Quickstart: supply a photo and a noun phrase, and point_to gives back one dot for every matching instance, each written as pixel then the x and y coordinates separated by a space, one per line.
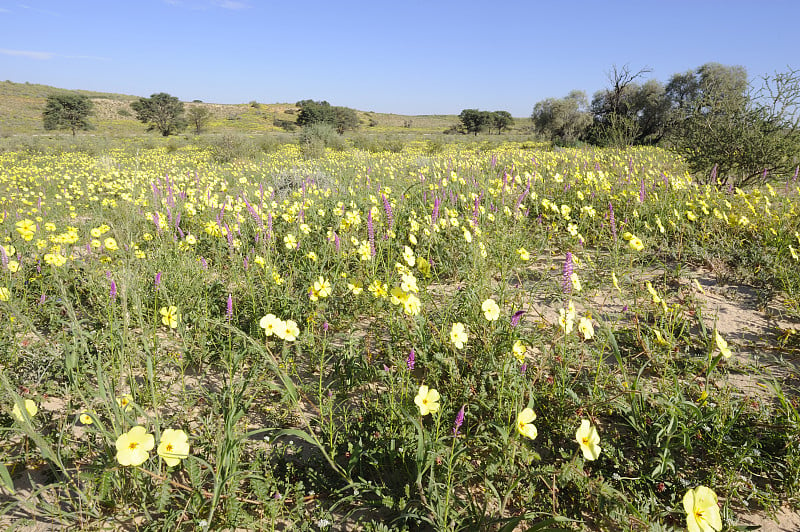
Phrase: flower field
pixel 473 337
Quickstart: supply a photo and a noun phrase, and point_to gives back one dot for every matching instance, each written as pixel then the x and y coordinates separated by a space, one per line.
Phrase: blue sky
pixel 408 57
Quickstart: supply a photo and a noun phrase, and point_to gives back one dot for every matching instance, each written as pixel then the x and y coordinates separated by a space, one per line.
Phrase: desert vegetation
pixel 468 337
pixel 316 318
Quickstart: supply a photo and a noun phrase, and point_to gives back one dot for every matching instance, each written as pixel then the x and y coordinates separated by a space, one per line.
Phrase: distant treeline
pixel 725 126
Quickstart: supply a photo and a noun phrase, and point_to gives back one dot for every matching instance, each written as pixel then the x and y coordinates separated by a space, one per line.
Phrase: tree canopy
pixel 198 116
pixel 161 112
pixel 67 111
pixel 563 120
pixel 732 132
pixel 474 121
pixel 322 112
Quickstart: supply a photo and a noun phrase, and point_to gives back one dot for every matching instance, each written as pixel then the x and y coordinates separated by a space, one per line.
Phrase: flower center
pixel 133 445
pixel 169 447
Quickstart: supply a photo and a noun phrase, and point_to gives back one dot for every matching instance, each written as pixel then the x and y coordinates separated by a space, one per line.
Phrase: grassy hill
pixel 21 106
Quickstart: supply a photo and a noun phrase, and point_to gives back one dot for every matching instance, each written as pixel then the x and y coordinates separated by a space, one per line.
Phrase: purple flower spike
pixel 459 421
pixel 516 317
pixel 371 234
pixel 229 310
pixel 158 280
pixel 411 359
pixel 112 292
pixel 612 221
pixel 566 282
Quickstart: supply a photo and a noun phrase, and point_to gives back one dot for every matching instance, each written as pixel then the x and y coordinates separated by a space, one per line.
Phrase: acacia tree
pixel 67 111
pixel 321 112
pixel 501 120
pixel 474 121
pixel 616 118
pixel 198 116
pixel 744 132
pixel 563 120
pixel 161 112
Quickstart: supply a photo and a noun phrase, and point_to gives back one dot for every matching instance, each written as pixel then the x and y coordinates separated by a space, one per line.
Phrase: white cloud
pixel 40 56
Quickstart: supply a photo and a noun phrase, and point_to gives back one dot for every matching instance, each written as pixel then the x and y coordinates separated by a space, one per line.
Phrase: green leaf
pixel 5 479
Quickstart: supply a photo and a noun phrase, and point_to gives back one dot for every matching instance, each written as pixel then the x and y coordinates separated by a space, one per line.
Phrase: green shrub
pixel 229 147
pixel 314 138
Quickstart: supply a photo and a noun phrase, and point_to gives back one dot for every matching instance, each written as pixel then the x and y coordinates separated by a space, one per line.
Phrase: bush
pixel 229 147
pixel 377 144
pixel 434 146
pixel 272 143
pixel 286 125
pixel 314 138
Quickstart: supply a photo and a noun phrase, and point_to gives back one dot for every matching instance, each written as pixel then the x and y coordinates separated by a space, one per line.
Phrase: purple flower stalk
pixel 371 233
pixel 435 213
pixel 477 209
pixel 158 281
pixel 459 421
pixel 112 292
pixel 229 236
pixel 523 368
pixel 612 221
pixel 411 359
pixel 3 257
pixel 516 317
pixel 388 208
pixel 522 197
pixel 229 310
pixel 566 281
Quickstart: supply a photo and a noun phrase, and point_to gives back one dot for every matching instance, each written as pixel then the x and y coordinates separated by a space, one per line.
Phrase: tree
pixel 198 116
pixel 745 133
pixel 616 118
pixel 684 91
pixel 616 99
pixel 474 121
pixel 161 112
pixel 501 120
pixel 314 112
pixel 321 112
pixel 650 107
pixel 344 118
pixel 563 120
pixel 67 111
